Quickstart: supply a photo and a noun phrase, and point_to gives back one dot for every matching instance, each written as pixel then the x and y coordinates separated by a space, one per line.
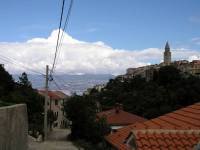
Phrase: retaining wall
pixel 13 127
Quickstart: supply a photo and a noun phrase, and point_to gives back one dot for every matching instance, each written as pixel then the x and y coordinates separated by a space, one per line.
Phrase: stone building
pixel 146 72
pixel 167 54
pixel 187 67
pixel 55 103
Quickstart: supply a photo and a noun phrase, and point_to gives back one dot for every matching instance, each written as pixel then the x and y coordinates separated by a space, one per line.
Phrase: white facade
pixel 56 104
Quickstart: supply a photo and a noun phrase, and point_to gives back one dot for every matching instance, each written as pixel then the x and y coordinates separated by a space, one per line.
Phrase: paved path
pixel 56 141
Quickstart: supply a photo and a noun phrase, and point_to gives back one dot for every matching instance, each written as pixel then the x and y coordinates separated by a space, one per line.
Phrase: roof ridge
pixel 180 126
pixel 188 111
pixel 165 131
pixel 198 103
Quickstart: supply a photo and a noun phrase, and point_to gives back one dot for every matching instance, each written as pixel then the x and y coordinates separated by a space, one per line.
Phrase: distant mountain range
pixel 69 83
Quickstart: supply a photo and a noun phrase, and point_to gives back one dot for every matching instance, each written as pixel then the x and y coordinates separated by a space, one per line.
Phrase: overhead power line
pixel 64 29
pixel 59 43
pixel 60 38
pixel 61 16
pixel 61 81
pixel 16 63
pixel 56 84
pixel 66 22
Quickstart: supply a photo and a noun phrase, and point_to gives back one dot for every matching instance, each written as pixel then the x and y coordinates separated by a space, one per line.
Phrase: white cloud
pixel 194 57
pixel 81 57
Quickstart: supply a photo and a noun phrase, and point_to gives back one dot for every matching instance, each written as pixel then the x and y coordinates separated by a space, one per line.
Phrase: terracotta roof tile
pixel 188 114
pixel 177 123
pixel 195 107
pixel 185 141
pixel 163 123
pixel 120 118
pixel 153 141
pixel 160 141
pixel 152 125
pixel 175 140
pixel 52 94
pixel 183 119
pixel 163 148
pixel 159 135
pixel 191 110
pixel 166 136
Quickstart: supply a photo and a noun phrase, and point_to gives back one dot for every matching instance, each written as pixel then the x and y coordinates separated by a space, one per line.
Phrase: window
pixel 56 102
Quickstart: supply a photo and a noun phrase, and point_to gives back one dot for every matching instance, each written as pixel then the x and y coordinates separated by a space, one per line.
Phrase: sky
pixel 106 36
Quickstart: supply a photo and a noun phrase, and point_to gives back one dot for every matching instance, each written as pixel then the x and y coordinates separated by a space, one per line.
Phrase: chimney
pixel 118 107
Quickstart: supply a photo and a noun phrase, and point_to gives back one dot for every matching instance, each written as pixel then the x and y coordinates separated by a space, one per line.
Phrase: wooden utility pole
pixel 46 101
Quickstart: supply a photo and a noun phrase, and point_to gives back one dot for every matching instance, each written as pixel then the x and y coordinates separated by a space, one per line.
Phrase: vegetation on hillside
pixel 12 92
pixel 168 90
pixel 81 110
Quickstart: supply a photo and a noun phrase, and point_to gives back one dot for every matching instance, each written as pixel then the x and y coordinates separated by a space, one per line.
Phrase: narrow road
pixel 57 140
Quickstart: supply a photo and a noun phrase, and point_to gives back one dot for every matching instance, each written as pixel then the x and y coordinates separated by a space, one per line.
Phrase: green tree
pixel 7 83
pixel 22 92
pixel 82 112
pixel 23 80
pixel 169 90
pixel 33 100
pixel 168 75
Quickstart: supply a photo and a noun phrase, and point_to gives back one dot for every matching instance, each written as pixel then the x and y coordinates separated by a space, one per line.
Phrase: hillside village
pixel 128 124
pixel 184 66
pixel 168 129
pixel 58 61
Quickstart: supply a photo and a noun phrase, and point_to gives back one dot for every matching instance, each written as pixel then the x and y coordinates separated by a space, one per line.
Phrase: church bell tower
pixel 167 54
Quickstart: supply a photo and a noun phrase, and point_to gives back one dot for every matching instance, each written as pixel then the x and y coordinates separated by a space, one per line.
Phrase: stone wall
pixel 13 127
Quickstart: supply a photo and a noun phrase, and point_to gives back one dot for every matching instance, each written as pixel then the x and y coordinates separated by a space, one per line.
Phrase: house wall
pixel 58 110
pixel 13 127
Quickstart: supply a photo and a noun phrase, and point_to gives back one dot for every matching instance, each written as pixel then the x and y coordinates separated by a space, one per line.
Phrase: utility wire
pixel 59 44
pixel 65 26
pixel 66 22
pixel 14 62
pixel 61 81
pixel 9 60
pixel 58 38
pixel 56 84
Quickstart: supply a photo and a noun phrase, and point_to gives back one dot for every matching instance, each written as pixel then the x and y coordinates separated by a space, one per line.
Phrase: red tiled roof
pixel 120 118
pixel 166 139
pixel 117 139
pixel 196 61
pixel 52 94
pixel 184 119
pixel 61 94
